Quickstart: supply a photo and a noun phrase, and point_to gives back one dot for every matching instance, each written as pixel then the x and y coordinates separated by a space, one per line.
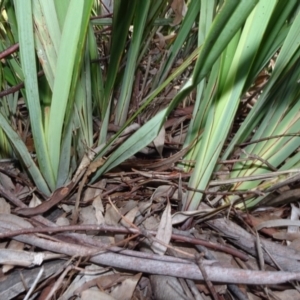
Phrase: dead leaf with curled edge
pixel 179 8
pixel 161 40
pixel 130 216
pixel 126 289
pixel 35 201
pixel 164 231
pixel 161 193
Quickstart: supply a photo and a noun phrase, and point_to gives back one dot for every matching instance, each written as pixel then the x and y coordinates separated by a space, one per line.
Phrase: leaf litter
pixel 130 222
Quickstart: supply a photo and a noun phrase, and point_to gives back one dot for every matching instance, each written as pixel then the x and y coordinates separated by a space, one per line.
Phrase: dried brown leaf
pixel 62 221
pixel 74 286
pixel 125 290
pixel 164 231
pixel 4 206
pixel 151 223
pixel 161 193
pixel 87 215
pixel 161 39
pixel 288 295
pixel 179 8
pixel 130 216
pixel 35 201
pixel 99 210
pixel 112 217
pixel 14 222
pixel 7 182
pixel 95 295
pixel 107 281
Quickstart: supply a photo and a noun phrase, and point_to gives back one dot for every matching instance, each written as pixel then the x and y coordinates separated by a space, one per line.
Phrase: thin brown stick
pixel 209 284
pixel 101 17
pixel 10 50
pixel 115 229
pixel 257 157
pixel 183 270
pixel 16 87
pixel 205 192
pixel 59 281
pixel 268 138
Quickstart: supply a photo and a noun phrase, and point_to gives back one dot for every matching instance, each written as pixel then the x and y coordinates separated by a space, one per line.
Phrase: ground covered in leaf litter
pixel 129 242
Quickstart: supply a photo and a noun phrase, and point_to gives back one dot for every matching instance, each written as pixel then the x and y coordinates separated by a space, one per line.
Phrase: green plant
pixel 227 43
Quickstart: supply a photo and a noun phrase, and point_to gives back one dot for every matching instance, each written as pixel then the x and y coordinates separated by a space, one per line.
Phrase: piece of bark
pixel 286 257
pixel 13 284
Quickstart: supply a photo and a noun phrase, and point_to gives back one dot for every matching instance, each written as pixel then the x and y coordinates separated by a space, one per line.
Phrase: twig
pixel 58 282
pixel 264 161
pixel 264 176
pixel 199 258
pixel 123 217
pixel 107 228
pixel 268 138
pixel 184 270
pixel 206 192
pixel 16 87
pixel 146 234
pixel 9 50
pixel 34 283
pixel 91 168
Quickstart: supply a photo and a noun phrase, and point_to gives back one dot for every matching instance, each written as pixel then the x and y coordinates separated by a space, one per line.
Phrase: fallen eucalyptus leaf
pixel 164 231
